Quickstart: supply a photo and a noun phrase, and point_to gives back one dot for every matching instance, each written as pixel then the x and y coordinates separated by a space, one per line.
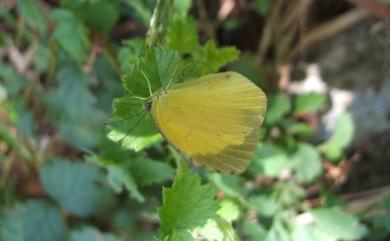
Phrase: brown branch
pixel 373 7
pixel 328 29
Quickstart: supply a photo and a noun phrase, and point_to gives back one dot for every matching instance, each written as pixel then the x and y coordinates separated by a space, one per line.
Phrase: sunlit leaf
pixel 186 205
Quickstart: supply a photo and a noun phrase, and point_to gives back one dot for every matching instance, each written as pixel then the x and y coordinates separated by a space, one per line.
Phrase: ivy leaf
pixel 210 58
pixel 35 221
pixel 91 234
pixel 79 188
pixel 182 36
pixel 71 34
pixel 72 106
pixel 186 205
pixel 32 14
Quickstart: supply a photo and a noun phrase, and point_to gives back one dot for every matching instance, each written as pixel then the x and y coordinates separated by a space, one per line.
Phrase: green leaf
pixel 32 14
pixel 182 36
pixel 262 6
pixel 147 171
pixel 296 128
pixel 130 52
pixel 278 106
pixel 278 232
pixel 72 106
pixel 13 81
pixel 116 161
pixel 91 234
pixel 246 65
pixel 217 229
pixel 269 160
pixel 228 210
pixel 186 205
pixel 71 34
pixel 180 235
pixel 287 194
pixel 338 224
pixel 264 205
pixel 182 7
pixel 306 163
pixel 341 138
pixel 158 67
pixel 210 58
pixel 119 176
pixel 141 11
pixel 42 59
pixel 309 102
pixel 229 184
pixel 305 232
pixel 34 221
pixel 254 231
pixel 102 15
pixel 110 83
pixel 79 188
pixel 132 124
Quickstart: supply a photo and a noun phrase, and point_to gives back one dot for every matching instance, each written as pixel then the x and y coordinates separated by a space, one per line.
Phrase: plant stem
pixel 159 22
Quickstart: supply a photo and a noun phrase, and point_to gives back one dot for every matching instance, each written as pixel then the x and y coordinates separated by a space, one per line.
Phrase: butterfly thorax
pixel 157 96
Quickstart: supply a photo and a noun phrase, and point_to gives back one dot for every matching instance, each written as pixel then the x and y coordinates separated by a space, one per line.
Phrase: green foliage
pixel 71 34
pixel 34 220
pixel 183 36
pixel 341 138
pixel 91 234
pixel 262 6
pixel 187 205
pixel 210 58
pixel 32 14
pixel 306 163
pixel 79 188
pixel 278 106
pixel 101 15
pixel 309 102
pixel 72 105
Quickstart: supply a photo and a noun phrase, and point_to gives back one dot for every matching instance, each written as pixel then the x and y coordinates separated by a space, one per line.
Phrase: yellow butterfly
pixel 213 120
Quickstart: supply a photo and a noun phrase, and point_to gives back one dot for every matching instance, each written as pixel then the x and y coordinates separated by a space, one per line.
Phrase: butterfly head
pixel 148 105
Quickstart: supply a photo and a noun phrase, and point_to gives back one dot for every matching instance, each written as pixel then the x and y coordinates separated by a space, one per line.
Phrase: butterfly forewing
pixel 214 120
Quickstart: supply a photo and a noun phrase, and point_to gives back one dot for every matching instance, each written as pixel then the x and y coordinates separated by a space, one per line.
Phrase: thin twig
pixel 372 7
pixel 328 29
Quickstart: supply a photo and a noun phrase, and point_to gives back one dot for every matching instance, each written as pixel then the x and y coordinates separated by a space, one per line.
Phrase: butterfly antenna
pixel 174 73
pixel 150 87
pixel 132 128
